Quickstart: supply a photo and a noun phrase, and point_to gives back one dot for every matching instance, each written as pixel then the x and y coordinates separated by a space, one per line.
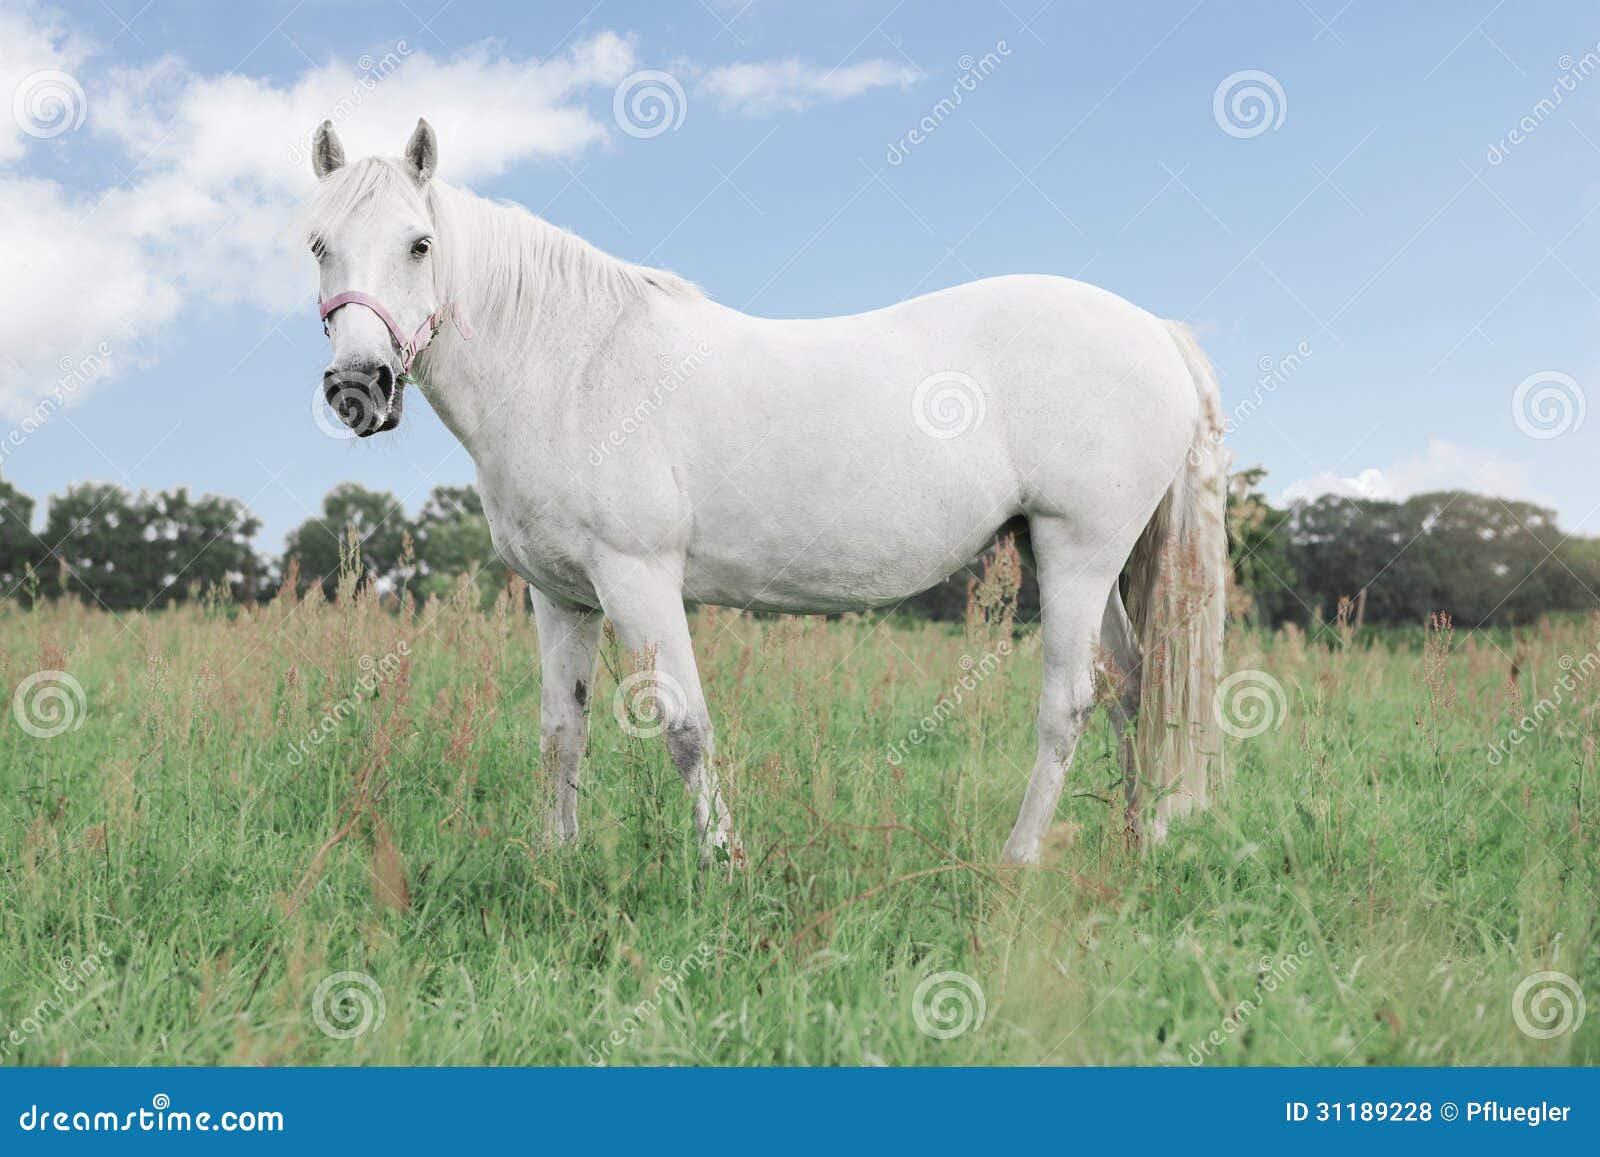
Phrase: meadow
pixel 309 832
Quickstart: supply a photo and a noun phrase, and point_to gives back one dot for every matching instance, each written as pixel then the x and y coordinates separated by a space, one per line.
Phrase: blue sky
pixel 1381 232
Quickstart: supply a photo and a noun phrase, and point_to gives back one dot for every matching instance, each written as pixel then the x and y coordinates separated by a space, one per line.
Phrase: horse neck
pixel 527 352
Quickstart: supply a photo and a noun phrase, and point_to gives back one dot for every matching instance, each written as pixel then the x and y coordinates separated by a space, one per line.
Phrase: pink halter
pixel 410 347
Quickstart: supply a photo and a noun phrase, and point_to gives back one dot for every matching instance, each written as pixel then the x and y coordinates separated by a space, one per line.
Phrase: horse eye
pixel 420 247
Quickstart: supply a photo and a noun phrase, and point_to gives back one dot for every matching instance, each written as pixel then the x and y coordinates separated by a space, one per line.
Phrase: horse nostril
pixel 361 397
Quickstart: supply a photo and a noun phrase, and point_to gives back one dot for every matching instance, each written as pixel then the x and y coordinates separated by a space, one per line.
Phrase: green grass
pixel 1368 889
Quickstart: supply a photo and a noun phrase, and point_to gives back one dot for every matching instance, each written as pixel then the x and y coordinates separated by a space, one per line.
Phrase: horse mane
pixel 494 260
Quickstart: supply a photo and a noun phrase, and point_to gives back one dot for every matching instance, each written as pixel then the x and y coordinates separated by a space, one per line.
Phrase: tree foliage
pixel 1485 561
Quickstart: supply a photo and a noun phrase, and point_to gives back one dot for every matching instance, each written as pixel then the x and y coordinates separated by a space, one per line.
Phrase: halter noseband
pixel 410 347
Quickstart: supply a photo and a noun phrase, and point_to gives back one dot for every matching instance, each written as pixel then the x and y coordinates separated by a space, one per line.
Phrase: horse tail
pixel 1177 600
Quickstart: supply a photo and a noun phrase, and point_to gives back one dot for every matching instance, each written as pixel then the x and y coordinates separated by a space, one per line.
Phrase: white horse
pixel 639 446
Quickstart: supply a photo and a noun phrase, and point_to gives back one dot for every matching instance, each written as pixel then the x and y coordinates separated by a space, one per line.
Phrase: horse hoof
pixel 724 848
pixel 1018 853
pixel 554 834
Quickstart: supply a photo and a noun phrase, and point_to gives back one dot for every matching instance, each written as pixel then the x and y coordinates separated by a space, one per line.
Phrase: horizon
pixel 1391 279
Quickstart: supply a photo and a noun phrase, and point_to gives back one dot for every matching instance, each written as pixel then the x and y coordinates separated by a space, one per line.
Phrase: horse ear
pixel 422 150
pixel 327 154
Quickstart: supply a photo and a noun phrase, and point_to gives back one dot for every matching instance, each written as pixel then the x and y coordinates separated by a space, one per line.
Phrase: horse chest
pixel 535 540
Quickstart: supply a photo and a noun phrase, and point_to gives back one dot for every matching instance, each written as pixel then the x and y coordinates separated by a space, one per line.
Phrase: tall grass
pixel 311 833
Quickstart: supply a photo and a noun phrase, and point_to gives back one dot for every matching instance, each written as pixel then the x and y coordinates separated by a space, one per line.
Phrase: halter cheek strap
pixel 409 347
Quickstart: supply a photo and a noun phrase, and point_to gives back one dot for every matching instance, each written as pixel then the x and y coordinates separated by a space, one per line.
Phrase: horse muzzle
pixel 368 400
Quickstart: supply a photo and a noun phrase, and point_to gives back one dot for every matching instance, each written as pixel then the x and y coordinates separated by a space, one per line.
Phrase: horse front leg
pixel 569 643
pixel 664 695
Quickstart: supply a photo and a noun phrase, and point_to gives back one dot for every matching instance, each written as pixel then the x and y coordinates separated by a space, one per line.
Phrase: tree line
pixel 1485 561
pixel 132 551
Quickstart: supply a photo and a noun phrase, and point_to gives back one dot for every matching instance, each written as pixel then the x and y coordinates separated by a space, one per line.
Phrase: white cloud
pixel 79 279
pixel 766 86
pixel 219 166
pixel 1443 466
pixel 1367 484
pixel 34 41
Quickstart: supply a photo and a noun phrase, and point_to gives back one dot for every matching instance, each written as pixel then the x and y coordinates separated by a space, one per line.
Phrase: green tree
pixel 19 549
pixel 1485 561
pixel 202 543
pixel 380 527
pixel 97 531
pixel 131 551
pixel 452 538
pixel 1259 550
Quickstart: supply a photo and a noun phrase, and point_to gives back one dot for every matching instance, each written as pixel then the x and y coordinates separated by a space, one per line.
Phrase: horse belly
pixel 869 539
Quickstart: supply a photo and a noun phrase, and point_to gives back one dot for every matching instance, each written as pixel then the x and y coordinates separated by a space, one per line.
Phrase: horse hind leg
pixel 1072 602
